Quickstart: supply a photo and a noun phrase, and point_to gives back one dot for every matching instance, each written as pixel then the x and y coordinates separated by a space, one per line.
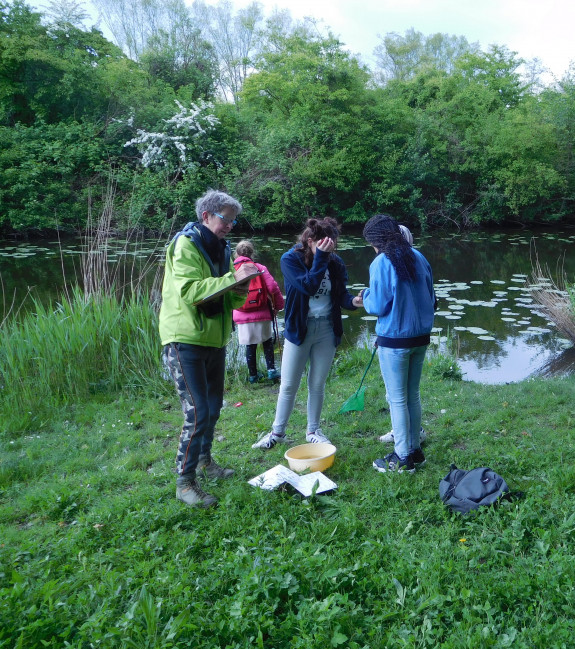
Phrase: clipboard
pixel 223 291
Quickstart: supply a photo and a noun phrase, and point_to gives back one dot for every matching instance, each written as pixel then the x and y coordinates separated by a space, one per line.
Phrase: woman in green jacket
pixel 195 326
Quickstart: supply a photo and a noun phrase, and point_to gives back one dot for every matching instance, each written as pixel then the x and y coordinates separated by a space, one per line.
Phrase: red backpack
pixel 258 296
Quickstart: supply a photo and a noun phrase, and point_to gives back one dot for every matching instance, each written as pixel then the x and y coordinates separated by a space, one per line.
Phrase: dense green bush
pixel 462 141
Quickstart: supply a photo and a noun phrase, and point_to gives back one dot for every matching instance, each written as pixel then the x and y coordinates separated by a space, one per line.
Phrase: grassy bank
pixel 96 552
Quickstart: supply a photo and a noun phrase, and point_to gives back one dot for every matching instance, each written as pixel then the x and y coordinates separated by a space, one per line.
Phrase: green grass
pixel 95 551
pixel 63 353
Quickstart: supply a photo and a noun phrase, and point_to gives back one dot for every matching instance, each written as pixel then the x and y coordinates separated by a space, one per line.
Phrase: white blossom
pixel 179 144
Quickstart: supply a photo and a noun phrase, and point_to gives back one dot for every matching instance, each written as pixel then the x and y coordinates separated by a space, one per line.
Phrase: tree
pixel 312 132
pixel 401 58
pixel 478 151
pixel 556 107
pixel 50 72
pixel 66 12
pixel 133 22
pixel 235 38
pixel 496 69
pixel 182 58
pixel 20 30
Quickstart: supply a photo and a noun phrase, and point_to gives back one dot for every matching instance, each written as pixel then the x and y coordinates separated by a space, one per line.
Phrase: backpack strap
pixel 450 482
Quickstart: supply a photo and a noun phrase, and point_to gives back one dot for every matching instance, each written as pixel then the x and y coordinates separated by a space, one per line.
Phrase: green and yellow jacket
pixel 189 277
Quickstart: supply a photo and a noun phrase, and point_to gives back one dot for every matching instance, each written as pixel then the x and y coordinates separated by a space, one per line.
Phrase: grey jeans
pixel 319 349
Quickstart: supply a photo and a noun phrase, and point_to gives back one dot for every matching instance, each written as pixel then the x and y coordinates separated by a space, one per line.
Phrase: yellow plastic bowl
pixel 315 457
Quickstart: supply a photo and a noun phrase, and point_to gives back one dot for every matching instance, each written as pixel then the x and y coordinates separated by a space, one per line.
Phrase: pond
pixel 480 278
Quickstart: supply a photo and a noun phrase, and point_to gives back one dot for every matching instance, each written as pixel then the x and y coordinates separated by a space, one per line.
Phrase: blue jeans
pixel 401 370
pixel 319 348
pixel 198 374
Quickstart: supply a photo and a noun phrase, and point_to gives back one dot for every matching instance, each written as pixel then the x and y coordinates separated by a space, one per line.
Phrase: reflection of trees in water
pixel 485 256
pixel 561 365
pixel 490 353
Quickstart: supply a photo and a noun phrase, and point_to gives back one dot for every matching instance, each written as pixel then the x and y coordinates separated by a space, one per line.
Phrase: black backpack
pixel 463 491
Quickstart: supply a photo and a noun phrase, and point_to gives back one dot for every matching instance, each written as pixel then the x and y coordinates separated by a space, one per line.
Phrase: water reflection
pixel 480 282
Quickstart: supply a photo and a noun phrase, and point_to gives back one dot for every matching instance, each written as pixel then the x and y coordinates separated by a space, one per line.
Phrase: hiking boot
pixel 190 493
pixel 273 375
pixel 270 440
pixel 393 462
pixel 212 469
pixel 418 457
pixel 388 438
pixel 317 437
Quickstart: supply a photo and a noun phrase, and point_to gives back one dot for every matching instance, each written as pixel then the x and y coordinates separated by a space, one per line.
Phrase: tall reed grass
pixel 58 355
pixel 556 297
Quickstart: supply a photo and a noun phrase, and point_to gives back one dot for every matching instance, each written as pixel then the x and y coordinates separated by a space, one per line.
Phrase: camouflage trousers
pixel 198 374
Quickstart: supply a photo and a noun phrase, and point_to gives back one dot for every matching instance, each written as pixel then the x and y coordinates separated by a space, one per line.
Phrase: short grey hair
pixel 213 201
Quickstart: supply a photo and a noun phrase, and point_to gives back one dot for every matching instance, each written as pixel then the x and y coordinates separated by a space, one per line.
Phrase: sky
pixel 542 29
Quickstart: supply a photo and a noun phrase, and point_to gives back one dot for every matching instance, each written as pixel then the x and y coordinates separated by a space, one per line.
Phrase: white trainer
pixel 270 440
pixel 389 439
pixel 317 437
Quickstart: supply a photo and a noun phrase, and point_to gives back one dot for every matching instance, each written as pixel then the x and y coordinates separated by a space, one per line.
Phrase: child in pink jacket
pixel 255 327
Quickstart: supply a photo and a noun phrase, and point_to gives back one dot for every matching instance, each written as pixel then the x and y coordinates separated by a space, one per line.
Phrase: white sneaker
pixel 270 440
pixel 389 439
pixel 317 437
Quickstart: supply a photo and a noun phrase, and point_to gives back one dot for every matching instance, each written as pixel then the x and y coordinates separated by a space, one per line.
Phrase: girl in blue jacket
pixel 315 281
pixel 401 295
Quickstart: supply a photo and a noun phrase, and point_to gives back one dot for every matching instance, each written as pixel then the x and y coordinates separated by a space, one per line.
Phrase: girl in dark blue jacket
pixel 315 283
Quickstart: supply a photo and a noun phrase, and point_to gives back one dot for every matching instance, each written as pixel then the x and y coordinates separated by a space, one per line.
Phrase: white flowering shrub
pixel 179 145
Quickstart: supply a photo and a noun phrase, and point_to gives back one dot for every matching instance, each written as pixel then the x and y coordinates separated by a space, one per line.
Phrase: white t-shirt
pixel 320 303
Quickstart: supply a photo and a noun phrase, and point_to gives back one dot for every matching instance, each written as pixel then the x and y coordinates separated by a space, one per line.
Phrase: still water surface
pixel 480 279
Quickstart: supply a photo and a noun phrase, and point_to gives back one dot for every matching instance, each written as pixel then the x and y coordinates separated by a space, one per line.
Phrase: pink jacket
pixel 241 317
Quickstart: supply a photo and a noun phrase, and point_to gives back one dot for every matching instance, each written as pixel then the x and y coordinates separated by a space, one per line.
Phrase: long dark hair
pixel 316 229
pixel 384 234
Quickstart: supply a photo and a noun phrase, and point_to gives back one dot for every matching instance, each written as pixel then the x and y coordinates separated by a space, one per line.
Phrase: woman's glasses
pixel 231 222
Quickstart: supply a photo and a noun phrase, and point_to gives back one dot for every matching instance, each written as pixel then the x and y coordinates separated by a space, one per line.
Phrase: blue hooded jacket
pixel 404 309
pixel 302 282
